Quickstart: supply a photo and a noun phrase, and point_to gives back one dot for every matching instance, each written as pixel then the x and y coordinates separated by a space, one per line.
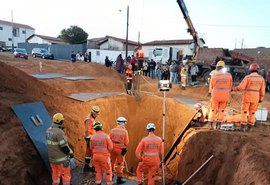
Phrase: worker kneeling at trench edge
pixel 60 154
pixel 101 145
pixel 120 139
pixel 149 153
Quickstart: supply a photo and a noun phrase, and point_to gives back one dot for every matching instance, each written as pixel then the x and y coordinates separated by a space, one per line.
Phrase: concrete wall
pixel 6 35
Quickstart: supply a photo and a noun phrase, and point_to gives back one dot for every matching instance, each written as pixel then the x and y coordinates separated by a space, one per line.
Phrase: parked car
pixel 20 53
pixel 42 53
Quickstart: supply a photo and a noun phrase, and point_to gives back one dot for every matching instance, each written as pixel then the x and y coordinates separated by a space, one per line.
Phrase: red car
pixel 20 53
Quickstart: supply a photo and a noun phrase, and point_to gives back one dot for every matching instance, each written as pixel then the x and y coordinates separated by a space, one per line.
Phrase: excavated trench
pixel 138 113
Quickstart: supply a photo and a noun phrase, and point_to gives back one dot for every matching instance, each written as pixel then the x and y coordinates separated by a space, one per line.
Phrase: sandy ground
pixel 239 158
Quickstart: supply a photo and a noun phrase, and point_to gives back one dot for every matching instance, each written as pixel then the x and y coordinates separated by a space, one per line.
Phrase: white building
pixel 20 33
pixel 42 39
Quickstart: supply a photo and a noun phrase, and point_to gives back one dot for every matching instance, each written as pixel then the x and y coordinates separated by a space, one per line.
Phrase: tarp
pixel 35 120
pixel 48 76
pixel 79 78
pixel 91 96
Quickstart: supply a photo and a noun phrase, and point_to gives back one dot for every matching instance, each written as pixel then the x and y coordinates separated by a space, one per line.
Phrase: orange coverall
pixel 101 145
pixel 89 132
pixel 148 152
pixel 253 86
pixel 120 139
pixel 129 77
pixel 220 87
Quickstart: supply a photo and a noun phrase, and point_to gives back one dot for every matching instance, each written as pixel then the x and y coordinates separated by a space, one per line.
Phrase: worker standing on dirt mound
pixel 101 145
pixel 120 139
pixel 253 86
pixel 89 132
pixel 220 87
pixel 149 152
pixel 59 151
pixel 129 77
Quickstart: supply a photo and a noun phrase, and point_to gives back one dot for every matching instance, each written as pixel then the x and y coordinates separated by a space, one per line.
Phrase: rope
pixel 148 81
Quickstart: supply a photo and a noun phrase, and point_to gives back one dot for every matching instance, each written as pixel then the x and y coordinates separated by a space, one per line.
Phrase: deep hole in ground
pixel 240 158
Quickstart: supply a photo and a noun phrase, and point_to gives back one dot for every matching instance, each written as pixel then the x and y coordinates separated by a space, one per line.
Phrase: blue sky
pixel 222 23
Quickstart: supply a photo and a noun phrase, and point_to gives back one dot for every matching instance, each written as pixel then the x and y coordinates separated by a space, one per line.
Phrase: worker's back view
pixel 220 87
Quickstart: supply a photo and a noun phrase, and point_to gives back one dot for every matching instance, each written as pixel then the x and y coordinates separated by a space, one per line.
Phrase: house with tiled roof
pixel 42 39
pixel 14 31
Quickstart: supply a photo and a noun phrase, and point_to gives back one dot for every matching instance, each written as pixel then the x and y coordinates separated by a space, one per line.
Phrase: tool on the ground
pixel 198 169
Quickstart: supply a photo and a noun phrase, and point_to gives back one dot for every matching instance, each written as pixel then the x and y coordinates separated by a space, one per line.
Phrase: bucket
pixel 261 114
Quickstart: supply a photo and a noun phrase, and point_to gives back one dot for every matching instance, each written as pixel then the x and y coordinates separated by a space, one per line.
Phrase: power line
pixel 240 26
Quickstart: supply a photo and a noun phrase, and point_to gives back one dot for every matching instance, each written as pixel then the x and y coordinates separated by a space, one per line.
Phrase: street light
pixel 164 86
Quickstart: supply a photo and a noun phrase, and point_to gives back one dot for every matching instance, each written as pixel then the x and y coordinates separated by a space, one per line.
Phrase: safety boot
pixel 249 128
pixel 210 125
pixel 243 128
pixel 218 125
pixel 120 180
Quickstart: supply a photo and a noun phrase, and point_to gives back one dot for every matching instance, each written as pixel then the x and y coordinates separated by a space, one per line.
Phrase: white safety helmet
pixel 197 106
pixel 150 125
pixel 121 120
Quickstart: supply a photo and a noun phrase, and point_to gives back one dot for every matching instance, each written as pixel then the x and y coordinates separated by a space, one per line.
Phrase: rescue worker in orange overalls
pixel 59 151
pixel 201 115
pixel 120 139
pixel 140 57
pixel 220 87
pixel 149 153
pixel 89 131
pixel 184 75
pixel 101 145
pixel 253 86
pixel 129 77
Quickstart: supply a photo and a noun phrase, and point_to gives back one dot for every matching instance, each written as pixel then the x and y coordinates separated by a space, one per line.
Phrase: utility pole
pixel 127 32
pixel 12 33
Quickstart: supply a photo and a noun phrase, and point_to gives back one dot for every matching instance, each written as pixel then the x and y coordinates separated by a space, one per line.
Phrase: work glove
pixel 87 139
pixel 71 155
pixel 260 101
pixel 124 151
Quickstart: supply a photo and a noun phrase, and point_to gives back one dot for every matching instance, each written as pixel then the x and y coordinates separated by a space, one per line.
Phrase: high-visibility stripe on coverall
pixel 148 151
pixel 253 86
pixel 120 139
pixel 101 145
pixel 220 87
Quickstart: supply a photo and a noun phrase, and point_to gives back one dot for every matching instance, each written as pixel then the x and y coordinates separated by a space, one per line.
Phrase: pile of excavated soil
pixel 240 158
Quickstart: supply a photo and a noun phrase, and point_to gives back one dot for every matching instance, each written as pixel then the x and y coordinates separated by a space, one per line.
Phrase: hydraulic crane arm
pixel 191 28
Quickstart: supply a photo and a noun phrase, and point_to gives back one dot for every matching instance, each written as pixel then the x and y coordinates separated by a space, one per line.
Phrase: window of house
pixel 9 39
pixel 98 53
pixel 16 32
pixel 23 32
pixel 1 28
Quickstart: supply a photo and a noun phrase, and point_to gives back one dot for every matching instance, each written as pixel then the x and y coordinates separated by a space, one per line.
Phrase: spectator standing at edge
pixel 134 63
pixel 119 64
pixel 149 153
pixel 145 66
pixel 194 70
pixel 89 132
pixel 152 68
pixel 253 86
pixel 107 62
pixel 73 57
pixel 220 87
pixel 101 145
pixel 59 151
pixel 120 139
pixel 159 71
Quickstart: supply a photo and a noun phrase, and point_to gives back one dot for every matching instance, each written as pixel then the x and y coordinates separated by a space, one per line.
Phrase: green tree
pixel 74 35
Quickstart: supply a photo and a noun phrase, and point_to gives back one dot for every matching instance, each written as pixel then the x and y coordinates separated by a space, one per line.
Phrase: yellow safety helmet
pixel 95 109
pixel 58 117
pixel 221 63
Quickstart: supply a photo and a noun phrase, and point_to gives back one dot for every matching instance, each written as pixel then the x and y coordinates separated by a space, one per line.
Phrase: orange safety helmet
pixel 254 67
